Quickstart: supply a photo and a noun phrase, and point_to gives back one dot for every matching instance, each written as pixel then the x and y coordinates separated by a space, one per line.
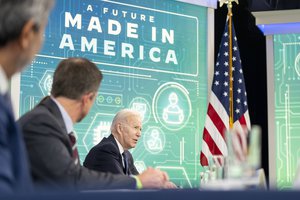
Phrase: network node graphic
pixel 154 140
pixel 171 106
pixel 142 106
pixel 109 99
pixel 98 129
pixel 46 82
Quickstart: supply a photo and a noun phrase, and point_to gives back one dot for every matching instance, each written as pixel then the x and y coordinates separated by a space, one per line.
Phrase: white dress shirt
pixel 3 82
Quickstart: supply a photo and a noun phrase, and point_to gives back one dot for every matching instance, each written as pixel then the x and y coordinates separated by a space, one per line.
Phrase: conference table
pixel 175 194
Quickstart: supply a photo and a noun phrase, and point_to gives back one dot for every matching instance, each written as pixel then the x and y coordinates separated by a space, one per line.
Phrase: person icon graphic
pixel 155 143
pixel 173 114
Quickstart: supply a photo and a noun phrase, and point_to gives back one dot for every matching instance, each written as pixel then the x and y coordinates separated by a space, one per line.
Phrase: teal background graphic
pixel 172 98
pixel 287 107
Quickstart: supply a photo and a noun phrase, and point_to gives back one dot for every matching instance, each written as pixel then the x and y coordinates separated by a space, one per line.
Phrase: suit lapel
pixel 117 151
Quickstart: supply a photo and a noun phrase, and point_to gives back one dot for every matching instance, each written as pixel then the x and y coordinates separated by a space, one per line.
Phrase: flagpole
pixel 234 142
pixel 229 15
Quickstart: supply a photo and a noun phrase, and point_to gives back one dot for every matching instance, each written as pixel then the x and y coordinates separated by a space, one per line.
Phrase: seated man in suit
pixel 22 24
pixel 111 154
pixel 51 145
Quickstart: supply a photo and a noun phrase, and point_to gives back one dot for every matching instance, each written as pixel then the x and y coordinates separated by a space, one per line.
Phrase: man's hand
pixel 169 185
pixel 154 178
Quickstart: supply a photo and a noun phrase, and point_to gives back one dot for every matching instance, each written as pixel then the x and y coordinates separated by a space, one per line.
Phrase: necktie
pixel 74 147
pixel 125 157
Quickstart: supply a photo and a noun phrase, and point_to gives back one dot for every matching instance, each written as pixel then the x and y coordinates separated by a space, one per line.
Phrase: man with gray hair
pixel 111 154
pixel 50 140
pixel 22 24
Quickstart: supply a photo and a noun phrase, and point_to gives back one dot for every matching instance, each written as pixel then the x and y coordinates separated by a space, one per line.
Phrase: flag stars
pixel 245 93
pixel 228 83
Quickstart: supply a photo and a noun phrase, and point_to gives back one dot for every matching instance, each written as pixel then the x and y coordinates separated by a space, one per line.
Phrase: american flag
pixel 217 118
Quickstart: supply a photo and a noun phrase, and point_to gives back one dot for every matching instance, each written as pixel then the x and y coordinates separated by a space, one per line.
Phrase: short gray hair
pixel 122 116
pixel 14 14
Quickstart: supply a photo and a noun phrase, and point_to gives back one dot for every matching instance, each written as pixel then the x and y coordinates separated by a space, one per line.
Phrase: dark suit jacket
pixel 14 170
pixel 106 157
pixel 50 153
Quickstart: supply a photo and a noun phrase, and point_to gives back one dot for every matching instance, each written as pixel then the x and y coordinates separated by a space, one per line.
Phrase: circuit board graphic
pixel 287 107
pixel 153 55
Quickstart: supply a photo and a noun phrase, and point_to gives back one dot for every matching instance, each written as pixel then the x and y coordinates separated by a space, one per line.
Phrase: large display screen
pixel 287 107
pixel 153 55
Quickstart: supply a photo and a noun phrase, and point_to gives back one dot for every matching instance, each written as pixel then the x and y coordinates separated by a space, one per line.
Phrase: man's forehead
pixel 134 119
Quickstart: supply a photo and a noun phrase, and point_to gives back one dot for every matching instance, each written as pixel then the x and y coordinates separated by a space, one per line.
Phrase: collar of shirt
pixel 3 82
pixel 121 149
pixel 66 117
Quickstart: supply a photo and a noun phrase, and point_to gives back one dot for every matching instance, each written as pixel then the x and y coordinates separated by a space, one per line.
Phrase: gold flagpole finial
pixel 228 2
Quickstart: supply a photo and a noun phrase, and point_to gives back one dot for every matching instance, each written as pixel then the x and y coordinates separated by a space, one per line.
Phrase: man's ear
pixel 91 95
pixel 84 98
pixel 27 34
pixel 87 97
pixel 119 127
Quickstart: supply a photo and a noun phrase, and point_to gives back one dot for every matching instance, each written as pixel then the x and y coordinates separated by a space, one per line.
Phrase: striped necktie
pixel 74 147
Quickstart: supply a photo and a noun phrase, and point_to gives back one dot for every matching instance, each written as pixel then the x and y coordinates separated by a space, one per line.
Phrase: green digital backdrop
pixel 287 107
pixel 153 55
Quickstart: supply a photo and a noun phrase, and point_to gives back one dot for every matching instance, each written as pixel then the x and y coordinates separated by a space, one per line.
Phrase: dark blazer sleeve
pixel 105 157
pixel 14 170
pixel 51 160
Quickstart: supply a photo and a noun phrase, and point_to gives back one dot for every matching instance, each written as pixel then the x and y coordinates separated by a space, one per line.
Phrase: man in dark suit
pixel 22 24
pixel 48 133
pixel 111 154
